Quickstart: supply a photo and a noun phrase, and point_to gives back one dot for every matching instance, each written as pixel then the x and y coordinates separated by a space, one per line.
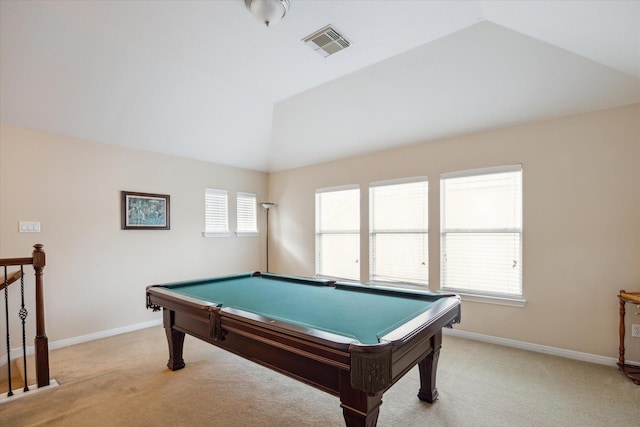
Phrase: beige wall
pixel 96 273
pixel 581 223
pixel 581 178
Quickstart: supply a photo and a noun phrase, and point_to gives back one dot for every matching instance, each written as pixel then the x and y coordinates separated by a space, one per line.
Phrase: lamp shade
pixel 268 12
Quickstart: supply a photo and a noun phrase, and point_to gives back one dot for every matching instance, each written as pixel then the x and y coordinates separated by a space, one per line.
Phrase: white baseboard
pixel 33 389
pixel 554 351
pixel 17 352
pixel 103 334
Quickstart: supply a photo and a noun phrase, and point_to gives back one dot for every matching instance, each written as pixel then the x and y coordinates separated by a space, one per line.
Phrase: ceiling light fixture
pixel 269 12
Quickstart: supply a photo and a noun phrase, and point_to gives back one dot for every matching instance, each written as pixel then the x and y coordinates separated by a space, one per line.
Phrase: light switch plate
pixel 29 226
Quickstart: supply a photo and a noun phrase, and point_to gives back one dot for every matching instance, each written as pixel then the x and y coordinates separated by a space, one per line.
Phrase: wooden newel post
pixel 41 340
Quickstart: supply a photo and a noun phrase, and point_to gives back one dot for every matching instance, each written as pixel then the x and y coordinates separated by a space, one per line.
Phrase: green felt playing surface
pixel 350 311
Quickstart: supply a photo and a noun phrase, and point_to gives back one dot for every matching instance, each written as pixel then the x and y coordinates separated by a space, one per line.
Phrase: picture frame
pixel 145 211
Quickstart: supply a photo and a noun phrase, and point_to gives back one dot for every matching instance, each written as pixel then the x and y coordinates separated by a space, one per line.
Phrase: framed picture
pixel 145 211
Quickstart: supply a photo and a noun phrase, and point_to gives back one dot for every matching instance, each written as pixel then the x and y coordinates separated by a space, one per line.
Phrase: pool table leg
pixel 358 408
pixel 428 368
pixel 175 339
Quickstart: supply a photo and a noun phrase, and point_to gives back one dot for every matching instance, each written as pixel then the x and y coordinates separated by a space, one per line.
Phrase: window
pixel 246 214
pixel 338 233
pixel 481 231
pixel 216 213
pixel 399 225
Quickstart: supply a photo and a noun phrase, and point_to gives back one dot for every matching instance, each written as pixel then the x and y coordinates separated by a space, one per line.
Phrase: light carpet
pixel 124 381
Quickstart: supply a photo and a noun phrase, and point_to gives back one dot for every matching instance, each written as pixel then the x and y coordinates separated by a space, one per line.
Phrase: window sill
pixel 491 299
pixel 400 285
pixel 216 234
pixel 247 233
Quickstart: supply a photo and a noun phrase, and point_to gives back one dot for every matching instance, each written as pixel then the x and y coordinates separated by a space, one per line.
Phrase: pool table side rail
pixel 283 278
pixel 294 279
pixel 394 291
pixel 174 285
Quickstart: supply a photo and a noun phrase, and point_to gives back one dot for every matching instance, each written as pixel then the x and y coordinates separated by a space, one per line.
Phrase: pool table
pixel 351 340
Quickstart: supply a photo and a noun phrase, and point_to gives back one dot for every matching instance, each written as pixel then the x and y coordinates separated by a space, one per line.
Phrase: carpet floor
pixel 123 381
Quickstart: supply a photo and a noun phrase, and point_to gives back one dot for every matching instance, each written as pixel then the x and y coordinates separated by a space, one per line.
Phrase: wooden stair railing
pixel 11 278
pixel 41 341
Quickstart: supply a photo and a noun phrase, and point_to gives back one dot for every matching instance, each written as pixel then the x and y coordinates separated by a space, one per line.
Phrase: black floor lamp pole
pixel 267 206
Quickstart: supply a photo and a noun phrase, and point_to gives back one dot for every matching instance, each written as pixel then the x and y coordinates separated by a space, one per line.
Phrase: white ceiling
pixel 205 80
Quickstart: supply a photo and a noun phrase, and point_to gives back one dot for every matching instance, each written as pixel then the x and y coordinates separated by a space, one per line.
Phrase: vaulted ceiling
pixel 205 80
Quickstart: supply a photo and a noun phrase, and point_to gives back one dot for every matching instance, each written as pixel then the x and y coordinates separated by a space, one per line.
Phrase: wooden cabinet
pixel 632 371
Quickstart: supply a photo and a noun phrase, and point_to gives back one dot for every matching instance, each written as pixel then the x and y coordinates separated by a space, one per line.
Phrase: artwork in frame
pixel 145 211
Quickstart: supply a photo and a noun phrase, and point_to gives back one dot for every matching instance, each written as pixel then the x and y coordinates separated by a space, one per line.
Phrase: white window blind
pixel 338 233
pixel 216 212
pixel 399 225
pixel 481 231
pixel 246 213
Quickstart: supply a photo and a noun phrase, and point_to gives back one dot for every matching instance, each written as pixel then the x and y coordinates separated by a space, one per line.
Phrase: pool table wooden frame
pixel 358 374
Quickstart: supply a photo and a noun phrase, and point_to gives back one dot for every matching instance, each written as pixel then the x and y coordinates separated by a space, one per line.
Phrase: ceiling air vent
pixel 326 41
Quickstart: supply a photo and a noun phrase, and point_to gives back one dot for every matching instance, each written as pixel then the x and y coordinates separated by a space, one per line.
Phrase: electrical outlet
pixel 635 331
